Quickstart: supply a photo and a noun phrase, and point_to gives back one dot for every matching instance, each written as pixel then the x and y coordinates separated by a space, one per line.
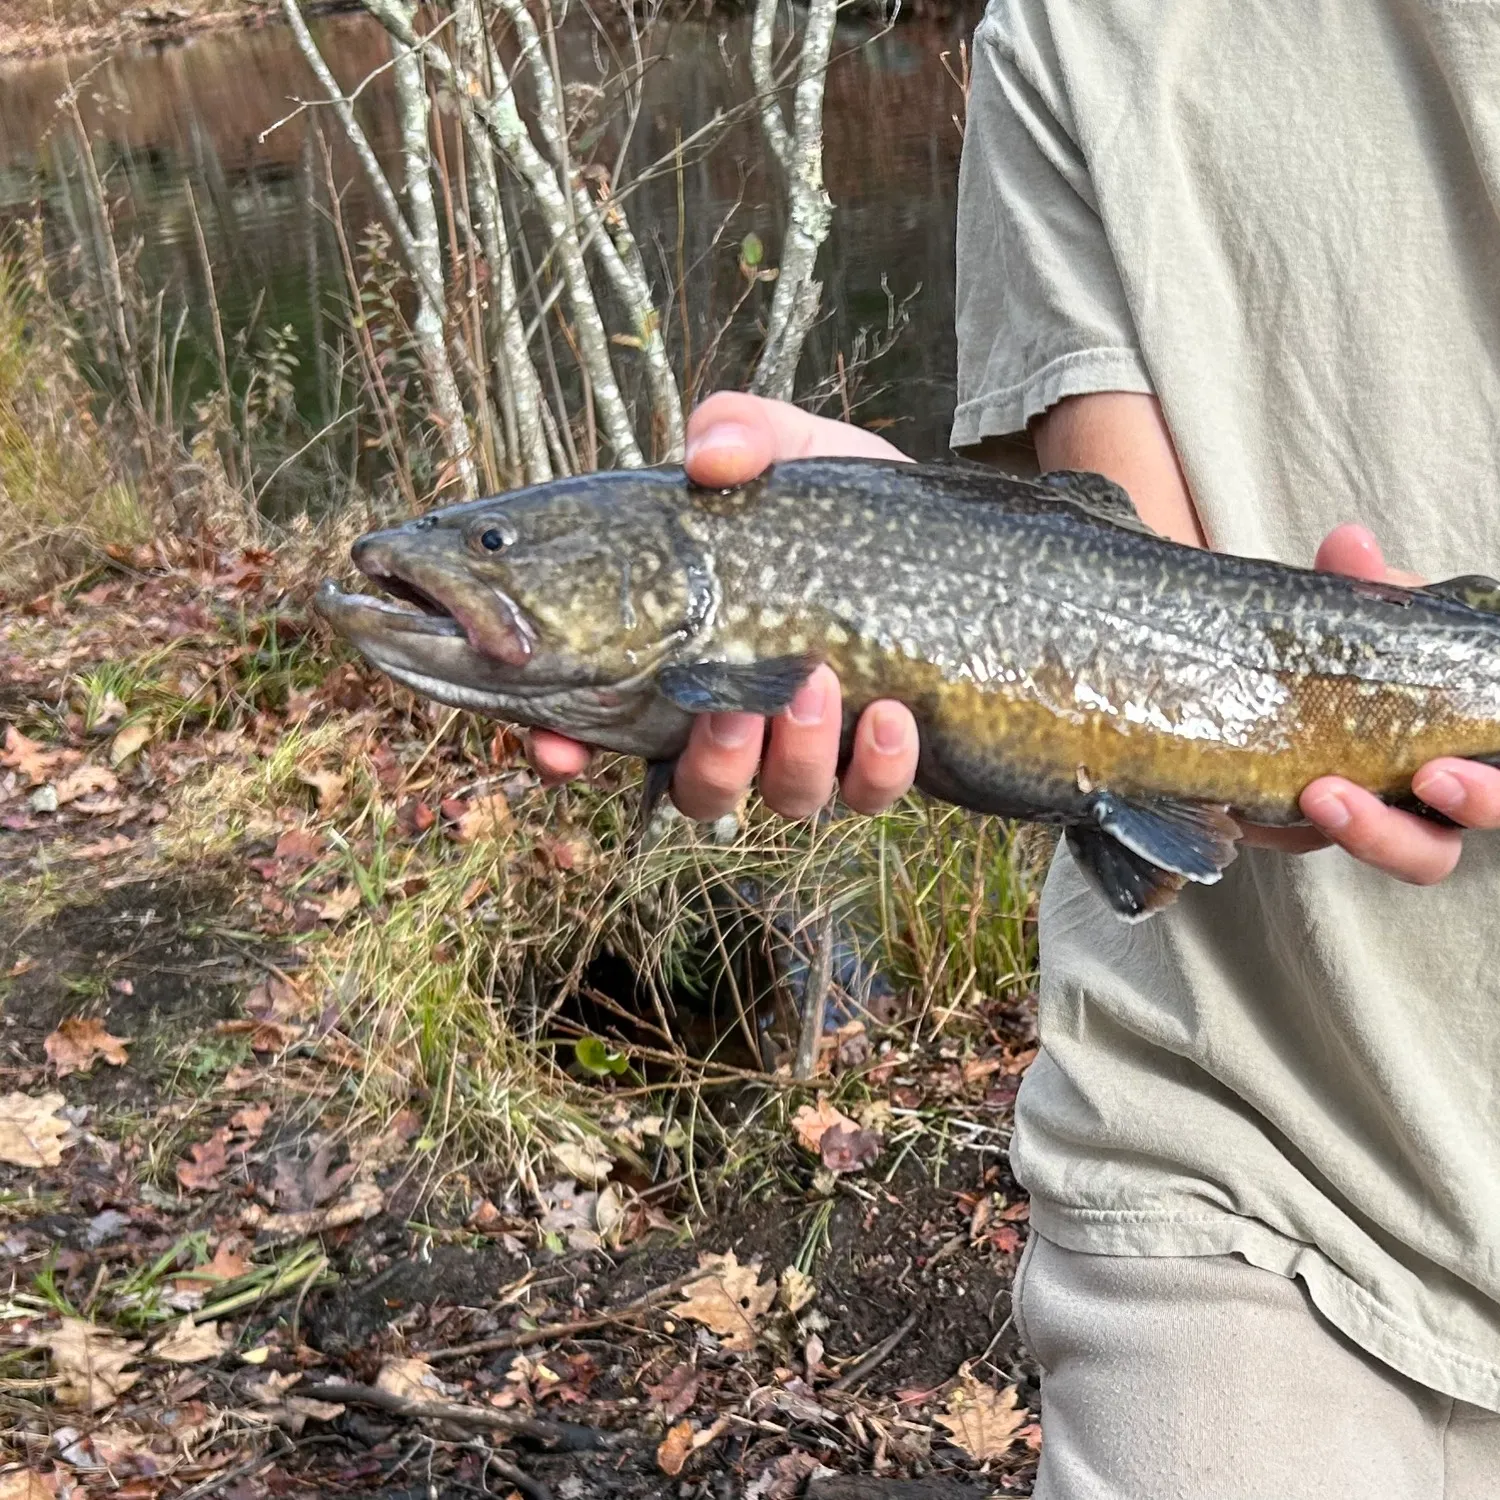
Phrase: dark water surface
pixel 180 125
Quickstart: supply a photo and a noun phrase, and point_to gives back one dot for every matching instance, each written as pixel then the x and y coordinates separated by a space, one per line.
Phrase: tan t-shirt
pixel 1283 219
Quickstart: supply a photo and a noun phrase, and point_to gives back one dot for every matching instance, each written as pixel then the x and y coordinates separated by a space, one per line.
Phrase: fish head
pixel 542 605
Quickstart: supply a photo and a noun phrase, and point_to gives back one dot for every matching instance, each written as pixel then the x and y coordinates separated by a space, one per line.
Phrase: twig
pixel 875 1358
pixel 217 1482
pixel 533 1489
pixel 815 1001
pixel 564 1437
pixel 520 1338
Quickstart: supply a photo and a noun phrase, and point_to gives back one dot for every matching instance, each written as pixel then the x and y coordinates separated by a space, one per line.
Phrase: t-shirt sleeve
pixel 1041 312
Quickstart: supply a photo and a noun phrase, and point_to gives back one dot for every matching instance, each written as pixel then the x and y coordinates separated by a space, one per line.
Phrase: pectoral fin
pixel 656 786
pixel 1138 855
pixel 758 687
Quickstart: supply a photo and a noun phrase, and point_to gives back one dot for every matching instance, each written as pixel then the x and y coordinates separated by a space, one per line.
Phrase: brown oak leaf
pixel 985 1423
pixel 31 1131
pixel 728 1299
pixel 199 1171
pixel 75 1044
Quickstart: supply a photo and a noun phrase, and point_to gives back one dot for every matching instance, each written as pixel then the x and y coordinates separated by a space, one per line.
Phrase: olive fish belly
pixel 996 748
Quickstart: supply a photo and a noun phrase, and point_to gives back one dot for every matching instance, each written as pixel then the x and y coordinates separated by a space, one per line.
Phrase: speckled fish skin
pixel 1056 654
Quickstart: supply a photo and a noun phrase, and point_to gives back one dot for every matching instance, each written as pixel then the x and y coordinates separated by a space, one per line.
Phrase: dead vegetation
pixel 377 1120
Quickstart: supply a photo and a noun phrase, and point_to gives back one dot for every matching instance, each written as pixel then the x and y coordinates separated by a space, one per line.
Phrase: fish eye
pixel 492 540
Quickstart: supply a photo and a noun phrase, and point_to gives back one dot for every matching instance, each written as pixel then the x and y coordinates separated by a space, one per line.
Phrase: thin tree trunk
pixel 427 248
pixel 794 305
pixel 502 119
pixel 609 235
pixel 523 391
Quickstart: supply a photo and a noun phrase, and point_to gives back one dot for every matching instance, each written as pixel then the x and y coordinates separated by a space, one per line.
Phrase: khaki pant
pixel 1204 1378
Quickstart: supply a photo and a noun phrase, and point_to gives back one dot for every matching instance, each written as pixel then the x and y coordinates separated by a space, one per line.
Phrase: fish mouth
pixel 408 611
pixel 422 594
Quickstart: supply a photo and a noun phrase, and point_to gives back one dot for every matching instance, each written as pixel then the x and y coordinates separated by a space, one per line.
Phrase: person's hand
pixel 1400 843
pixel 730 439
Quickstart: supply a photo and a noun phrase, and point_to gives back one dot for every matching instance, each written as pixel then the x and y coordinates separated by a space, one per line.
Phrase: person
pixel 1244 260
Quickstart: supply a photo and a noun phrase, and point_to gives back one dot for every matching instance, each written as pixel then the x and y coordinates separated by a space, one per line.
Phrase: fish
pixel 1065 664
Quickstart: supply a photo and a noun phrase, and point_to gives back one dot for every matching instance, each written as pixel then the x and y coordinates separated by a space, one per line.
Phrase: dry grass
pixel 63 496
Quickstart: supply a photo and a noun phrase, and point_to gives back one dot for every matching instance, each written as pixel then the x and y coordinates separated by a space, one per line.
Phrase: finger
pixel 1401 844
pixel 717 767
pixel 1283 840
pixel 797 778
pixel 733 436
pixel 884 763
pixel 1466 791
pixel 556 758
pixel 1353 551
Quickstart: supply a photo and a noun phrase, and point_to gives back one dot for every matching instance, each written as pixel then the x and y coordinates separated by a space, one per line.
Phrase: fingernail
pixel 888 729
pixel 731 731
pixel 719 436
pixel 1443 791
pixel 1327 810
pixel 807 707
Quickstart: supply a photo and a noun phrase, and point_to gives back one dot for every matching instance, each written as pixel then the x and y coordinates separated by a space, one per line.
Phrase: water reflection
pixel 188 119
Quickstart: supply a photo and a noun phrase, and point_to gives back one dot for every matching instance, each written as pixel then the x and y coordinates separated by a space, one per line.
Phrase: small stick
pixel 533 1489
pixel 876 1357
pixel 815 1000
pixel 521 1338
pixel 561 1436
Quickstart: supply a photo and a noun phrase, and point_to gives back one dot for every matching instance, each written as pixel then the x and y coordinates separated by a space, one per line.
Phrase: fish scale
pixel 1064 663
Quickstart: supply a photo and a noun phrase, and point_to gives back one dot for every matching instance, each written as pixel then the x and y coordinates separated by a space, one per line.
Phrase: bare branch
pixel 427 253
pixel 763 76
pixel 498 112
pixel 795 302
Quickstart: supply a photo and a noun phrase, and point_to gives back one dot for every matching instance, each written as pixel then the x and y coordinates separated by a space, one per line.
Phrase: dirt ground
pixel 911 1268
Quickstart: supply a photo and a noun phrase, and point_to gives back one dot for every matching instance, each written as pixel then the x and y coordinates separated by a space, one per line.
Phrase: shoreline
pixel 133 24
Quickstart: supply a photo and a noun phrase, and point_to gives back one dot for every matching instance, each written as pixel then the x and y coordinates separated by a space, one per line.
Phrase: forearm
pixel 1124 437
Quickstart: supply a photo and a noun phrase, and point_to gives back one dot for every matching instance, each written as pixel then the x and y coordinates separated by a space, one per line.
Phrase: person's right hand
pixel 730 439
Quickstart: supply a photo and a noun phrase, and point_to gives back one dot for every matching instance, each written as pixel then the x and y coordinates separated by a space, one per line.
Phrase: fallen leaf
pixel 117 843
pixel 677 1392
pixel 31 1133
pixel 569 1212
pixel 727 1299
pixel 796 1289
pixel 484 817
pixel 250 1121
pixel 587 1160
pixel 984 1422
pixel 89 1363
pixel 337 905
pixel 199 1171
pixel 298 846
pixel 25 1484
pixel 26 756
pixel 328 785
pixel 227 1265
pixel 129 740
pixel 312 1181
pixel 189 1342
pixel 672 1452
pixel 75 1044
pixel 411 1380
pixel 849 1149
pixel 364 1201
pixel 81 782
pixel 811 1125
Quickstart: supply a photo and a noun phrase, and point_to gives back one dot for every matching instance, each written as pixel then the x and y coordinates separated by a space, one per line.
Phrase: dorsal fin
pixel 1102 498
pixel 1473 589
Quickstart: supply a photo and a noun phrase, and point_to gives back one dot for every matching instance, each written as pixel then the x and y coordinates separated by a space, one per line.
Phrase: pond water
pixel 180 127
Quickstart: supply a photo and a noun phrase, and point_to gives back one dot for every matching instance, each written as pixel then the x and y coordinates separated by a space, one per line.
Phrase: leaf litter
pixel 256 1212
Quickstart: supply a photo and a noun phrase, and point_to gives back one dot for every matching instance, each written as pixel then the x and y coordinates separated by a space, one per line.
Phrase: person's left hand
pixel 1400 843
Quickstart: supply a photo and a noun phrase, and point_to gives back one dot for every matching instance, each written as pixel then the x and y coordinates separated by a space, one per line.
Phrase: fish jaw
pixel 433 656
pixel 490 621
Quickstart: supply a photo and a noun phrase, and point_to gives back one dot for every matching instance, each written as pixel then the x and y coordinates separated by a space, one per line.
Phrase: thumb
pixel 1353 551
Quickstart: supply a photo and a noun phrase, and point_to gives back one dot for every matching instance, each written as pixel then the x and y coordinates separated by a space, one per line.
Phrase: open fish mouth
pixel 406 609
